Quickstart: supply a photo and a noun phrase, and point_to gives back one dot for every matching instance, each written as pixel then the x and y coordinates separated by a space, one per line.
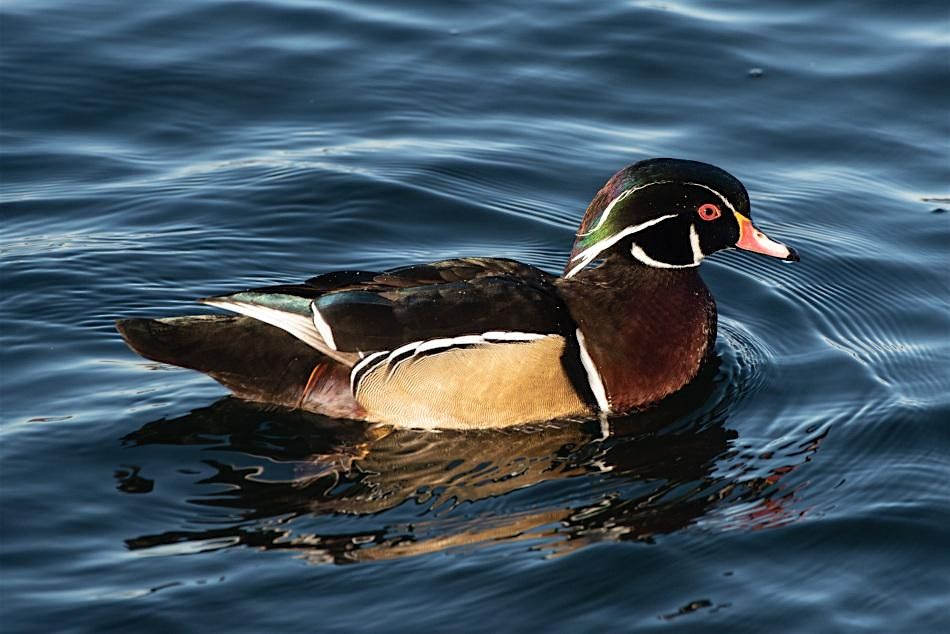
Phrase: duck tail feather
pixel 255 360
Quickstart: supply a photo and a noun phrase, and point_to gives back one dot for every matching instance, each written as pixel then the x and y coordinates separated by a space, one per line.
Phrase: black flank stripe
pixel 399 358
pixel 463 346
pixel 427 353
pixel 366 368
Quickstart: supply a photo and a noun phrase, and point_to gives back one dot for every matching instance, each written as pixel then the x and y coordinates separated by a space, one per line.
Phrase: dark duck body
pixel 490 342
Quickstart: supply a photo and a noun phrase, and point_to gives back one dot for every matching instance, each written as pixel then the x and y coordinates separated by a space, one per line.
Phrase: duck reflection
pixel 337 491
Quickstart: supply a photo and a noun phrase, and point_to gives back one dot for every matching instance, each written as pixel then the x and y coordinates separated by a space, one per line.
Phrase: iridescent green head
pixel 669 213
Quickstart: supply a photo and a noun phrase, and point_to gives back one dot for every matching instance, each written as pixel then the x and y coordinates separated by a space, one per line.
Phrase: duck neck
pixel 647 330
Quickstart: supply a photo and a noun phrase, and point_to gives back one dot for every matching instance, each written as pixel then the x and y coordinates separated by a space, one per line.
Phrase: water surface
pixel 154 153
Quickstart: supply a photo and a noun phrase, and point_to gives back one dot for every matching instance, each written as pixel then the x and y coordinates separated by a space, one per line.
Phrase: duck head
pixel 669 213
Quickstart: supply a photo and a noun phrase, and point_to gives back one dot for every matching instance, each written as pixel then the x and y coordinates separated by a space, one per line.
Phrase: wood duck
pixel 491 342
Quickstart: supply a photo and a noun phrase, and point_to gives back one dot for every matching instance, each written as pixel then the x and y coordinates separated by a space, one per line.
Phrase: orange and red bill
pixel 751 239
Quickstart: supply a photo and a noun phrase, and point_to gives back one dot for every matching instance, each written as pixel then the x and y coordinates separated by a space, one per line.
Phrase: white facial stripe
pixel 606 212
pixel 590 254
pixel 641 255
pixel 694 244
pixel 624 194
pixel 322 326
pixel 610 207
pixel 593 376
pixel 724 200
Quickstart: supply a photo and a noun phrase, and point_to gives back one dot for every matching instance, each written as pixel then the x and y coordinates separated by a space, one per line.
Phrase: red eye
pixel 708 211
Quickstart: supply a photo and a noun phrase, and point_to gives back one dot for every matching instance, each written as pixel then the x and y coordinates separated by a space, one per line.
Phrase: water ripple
pixel 153 153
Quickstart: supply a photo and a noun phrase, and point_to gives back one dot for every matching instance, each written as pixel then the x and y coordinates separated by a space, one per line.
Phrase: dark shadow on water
pixel 343 492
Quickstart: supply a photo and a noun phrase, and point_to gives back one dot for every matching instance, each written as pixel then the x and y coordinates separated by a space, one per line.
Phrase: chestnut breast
pixel 647 330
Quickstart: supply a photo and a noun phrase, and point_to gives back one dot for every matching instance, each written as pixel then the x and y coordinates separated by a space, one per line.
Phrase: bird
pixel 478 342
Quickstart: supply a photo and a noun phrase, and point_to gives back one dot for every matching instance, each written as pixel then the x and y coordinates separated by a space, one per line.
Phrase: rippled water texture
pixel 157 152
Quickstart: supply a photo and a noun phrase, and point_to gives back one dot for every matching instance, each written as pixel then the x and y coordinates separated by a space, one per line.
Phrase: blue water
pixel 153 153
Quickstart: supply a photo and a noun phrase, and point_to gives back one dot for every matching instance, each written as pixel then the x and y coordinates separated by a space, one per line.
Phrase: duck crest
pixel 644 194
pixel 594 225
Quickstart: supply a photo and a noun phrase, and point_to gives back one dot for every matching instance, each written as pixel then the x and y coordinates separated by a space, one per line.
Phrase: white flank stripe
pixel 499 335
pixel 435 344
pixel 322 326
pixel 418 347
pixel 359 366
pixel 406 348
pixel 593 376
pixel 369 359
pixel 590 254
pixel 297 325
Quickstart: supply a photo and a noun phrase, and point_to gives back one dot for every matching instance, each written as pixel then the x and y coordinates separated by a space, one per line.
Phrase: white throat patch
pixel 697 250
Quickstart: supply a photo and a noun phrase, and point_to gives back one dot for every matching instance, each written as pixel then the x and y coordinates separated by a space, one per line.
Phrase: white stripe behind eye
pixel 613 203
pixel 724 200
pixel 606 212
pixel 590 254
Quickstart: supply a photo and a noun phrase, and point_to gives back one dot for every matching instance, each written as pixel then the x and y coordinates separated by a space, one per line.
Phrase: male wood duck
pixel 491 342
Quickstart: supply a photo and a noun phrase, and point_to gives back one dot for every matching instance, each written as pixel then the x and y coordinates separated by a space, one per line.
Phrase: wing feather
pixel 349 314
